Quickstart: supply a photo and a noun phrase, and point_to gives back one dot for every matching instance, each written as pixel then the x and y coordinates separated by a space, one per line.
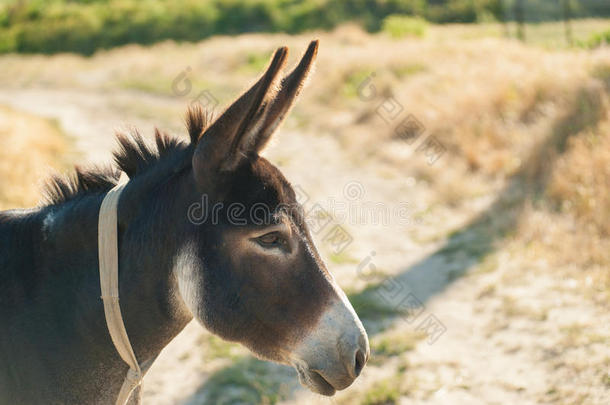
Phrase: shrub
pixel 50 26
pixel 83 26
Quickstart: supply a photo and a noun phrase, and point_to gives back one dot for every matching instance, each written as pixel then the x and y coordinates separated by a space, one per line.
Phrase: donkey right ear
pixel 290 88
pixel 217 149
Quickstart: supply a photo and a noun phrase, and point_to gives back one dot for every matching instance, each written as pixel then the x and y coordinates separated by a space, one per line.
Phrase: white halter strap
pixel 109 281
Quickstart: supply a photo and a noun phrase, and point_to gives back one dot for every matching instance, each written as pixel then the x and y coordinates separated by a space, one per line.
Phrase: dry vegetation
pixel 29 148
pixel 517 209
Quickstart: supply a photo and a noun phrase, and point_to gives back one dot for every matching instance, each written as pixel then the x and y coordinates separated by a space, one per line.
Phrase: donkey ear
pixel 290 88
pixel 217 149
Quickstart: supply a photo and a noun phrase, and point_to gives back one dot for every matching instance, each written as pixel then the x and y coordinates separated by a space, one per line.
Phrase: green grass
pixel 385 392
pixel 85 26
pixel 488 264
pixel 216 348
pixel 159 86
pixel 164 86
pixel 598 39
pixel 408 69
pixel 474 245
pixel 256 61
pixel 369 306
pixel 395 344
pixel 343 258
pixel 353 80
pixel 88 25
pixel 401 26
pixel 250 381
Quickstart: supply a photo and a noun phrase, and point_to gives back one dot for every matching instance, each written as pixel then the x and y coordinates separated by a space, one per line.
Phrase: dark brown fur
pixel 55 347
pixel 134 156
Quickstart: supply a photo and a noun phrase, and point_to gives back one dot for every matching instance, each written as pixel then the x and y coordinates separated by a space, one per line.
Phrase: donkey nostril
pixel 360 361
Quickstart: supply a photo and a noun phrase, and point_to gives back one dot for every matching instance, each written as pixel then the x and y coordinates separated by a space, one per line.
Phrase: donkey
pixel 257 282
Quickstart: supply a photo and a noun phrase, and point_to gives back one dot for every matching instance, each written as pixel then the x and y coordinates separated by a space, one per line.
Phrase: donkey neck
pixel 152 214
pixel 152 232
pixel 56 278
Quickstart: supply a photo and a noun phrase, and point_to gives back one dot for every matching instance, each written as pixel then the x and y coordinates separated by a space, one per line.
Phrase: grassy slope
pixel 29 147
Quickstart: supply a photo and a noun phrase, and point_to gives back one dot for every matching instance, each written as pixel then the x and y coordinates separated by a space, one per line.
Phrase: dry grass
pixel 570 227
pixel 511 116
pixel 29 147
pixel 581 181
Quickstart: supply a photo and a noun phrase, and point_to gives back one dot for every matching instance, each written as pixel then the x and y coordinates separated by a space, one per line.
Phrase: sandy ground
pixel 509 331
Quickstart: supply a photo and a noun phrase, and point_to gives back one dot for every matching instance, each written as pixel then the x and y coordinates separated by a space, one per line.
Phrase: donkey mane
pixel 134 156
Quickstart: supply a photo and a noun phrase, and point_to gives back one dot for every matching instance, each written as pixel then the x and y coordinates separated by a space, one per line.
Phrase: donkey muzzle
pixel 334 353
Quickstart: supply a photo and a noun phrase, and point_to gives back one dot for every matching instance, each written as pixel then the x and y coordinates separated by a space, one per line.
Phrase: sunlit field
pixel 497 153
pixel 30 147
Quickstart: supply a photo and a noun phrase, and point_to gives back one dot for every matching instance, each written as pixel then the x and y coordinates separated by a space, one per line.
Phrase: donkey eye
pixel 271 239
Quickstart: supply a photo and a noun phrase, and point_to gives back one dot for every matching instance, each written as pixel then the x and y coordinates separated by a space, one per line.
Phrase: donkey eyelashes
pixel 247 124
pixel 273 240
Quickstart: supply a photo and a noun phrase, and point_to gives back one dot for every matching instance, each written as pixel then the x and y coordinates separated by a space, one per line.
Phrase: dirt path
pixel 89 118
pixel 509 331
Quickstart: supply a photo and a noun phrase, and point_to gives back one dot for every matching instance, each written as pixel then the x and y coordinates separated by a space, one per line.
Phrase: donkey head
pixel 251 272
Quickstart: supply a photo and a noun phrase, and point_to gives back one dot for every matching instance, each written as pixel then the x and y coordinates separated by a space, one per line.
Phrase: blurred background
pixel 453 157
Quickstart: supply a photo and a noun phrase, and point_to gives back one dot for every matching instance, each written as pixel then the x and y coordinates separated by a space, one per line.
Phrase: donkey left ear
pixel 279 106
pixel 217 148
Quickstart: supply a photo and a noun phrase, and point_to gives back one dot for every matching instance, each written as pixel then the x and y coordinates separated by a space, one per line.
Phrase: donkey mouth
pixel 315 382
